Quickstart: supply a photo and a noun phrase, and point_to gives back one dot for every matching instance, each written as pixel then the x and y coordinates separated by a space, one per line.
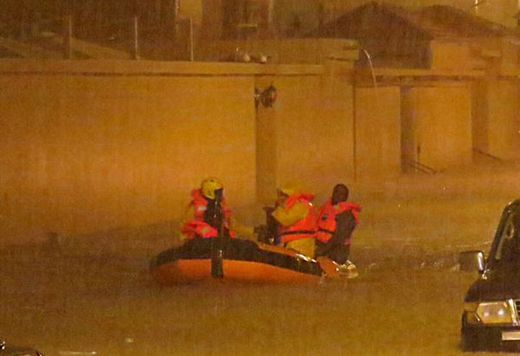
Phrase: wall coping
pixel 415 77
pixel 403 72
pixel 151 68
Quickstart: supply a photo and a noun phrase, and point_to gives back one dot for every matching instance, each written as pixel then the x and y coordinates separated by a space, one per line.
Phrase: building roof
pixel 435 21
pixel 448 21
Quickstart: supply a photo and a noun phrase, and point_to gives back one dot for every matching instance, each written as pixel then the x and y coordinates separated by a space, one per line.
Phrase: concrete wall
pixel 267 145
pixel 440 120
pixel 479 114
pixel 496 122
pixel 503 112
pixel 454 55
pixel 92 146
pixel 101 145
pixel 308 134
pixel 378 133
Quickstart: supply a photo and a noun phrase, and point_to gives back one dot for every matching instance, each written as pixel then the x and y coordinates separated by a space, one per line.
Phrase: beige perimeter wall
pixel 86 149
pixel 437 125
pixel 306 139
pixel 92 146
pixel 378 133
pixel 503 113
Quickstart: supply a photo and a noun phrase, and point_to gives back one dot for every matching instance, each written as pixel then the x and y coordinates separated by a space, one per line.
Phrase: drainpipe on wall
pixel 354 143
pixel 354 123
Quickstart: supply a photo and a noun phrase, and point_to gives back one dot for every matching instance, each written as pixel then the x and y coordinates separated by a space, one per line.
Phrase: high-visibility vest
pixel 198 227
pixel 306 227
pixel 327 219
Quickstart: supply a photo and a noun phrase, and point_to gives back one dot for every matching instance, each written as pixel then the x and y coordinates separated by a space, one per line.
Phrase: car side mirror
pixel 472 261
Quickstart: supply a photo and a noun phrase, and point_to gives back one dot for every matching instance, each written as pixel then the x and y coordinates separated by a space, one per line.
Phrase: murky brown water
pixel 106 305
pixel 97 295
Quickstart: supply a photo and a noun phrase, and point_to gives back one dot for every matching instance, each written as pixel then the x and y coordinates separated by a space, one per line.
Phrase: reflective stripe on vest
pixel 198 227
pixel 303 229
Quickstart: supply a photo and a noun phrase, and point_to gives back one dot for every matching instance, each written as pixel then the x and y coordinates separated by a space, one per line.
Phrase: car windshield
pixel 508 247
pixel 509 239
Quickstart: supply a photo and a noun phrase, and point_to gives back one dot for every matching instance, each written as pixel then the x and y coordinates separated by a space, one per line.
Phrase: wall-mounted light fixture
pixel 266 97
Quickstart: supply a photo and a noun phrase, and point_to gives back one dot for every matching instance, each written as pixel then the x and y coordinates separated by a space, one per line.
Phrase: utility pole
pixel 67 28
pixel 23 21
pixel 191 44
pixel 135 30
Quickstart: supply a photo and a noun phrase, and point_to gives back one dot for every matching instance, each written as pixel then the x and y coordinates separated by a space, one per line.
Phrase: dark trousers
pixel 337 252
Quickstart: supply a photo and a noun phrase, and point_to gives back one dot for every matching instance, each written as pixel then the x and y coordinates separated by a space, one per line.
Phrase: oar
pixel 329 267
pixel 218 245
pixel 277 249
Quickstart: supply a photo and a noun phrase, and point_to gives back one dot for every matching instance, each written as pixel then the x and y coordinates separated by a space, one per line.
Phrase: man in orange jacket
pixel 296 216
pixel 336 223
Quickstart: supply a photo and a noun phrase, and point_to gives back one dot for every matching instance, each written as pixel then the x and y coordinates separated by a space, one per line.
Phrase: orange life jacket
pixel 327 219
pixel 200 228
pixel 304 228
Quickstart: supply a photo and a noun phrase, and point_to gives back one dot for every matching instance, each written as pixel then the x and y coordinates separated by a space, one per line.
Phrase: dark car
pixel 491 317
pixel 10 350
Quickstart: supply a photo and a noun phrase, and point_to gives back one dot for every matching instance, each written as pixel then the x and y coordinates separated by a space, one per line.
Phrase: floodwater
pixel 90 299
pixel 103 305
pixel 68 305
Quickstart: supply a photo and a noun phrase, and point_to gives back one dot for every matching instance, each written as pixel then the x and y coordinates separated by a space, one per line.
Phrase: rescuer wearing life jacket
pixel 336 223
pixel 297 218
pixel 208 215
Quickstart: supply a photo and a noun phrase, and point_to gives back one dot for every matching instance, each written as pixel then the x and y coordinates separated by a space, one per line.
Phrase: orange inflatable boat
pixel 236 260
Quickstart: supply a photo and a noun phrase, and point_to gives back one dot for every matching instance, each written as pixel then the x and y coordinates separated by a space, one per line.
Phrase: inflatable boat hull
pixel 243 261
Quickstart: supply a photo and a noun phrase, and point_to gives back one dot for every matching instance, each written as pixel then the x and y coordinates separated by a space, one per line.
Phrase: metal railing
pixel 487 155
pixel 420 167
